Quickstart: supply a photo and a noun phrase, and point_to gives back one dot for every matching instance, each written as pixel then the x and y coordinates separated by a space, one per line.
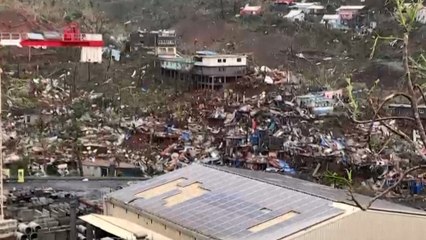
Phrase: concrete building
pixel 213 70
pixel 201 202
pixel 32 116
pixel 404 110
pixel 332 21
pixel 103 168
pixel 163 42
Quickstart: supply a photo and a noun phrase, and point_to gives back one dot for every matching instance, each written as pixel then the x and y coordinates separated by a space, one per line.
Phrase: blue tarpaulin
pixel 186 136
pixel 286 168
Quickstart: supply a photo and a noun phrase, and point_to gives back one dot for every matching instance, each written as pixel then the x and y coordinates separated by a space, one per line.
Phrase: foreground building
pixel 201 202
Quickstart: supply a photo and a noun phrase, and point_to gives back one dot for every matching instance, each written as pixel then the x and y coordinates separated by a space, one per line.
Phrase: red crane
pixel 69 37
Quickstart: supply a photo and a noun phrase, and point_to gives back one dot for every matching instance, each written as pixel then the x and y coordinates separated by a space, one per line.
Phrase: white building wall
pixel 92 171
pixel 92 54
pixel 223 61
pixel 165 51
pixel 368 225
pixel 158 231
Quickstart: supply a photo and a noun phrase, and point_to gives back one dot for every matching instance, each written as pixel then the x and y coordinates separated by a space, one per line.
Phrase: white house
pixel 213 69
pixel 295 15
pixel 307 7
pixel 332 21
pixel 212 59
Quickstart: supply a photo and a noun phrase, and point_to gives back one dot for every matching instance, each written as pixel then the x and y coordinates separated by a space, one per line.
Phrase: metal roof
pixel 232 204
pixel 209 53
pixel 321 191
pixel 351 7
pixel 120 227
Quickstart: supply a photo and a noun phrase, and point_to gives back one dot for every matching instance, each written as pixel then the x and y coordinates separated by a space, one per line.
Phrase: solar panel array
pixel 322 191
pixel 232 205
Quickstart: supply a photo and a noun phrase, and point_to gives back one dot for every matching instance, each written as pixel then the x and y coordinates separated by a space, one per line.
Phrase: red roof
pixel 288 2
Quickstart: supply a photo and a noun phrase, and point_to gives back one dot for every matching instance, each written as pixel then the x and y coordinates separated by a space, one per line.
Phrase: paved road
pixel 92 189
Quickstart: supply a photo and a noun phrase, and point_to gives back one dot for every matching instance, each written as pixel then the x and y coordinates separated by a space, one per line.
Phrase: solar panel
pixel 231 205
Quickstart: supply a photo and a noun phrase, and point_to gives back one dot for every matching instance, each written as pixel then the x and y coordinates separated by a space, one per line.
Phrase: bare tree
pixel 412 93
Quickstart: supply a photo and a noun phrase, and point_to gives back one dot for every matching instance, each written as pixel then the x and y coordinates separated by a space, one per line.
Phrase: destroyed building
pixel 405 110
pixel 103 168
pixel 201 202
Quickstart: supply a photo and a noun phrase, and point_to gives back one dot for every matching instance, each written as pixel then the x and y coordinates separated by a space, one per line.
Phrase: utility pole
pixel 222 12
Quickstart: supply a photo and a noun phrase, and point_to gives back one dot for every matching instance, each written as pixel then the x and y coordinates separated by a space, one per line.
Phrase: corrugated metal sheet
pixel 231 206
pixel 35 36
pixel 91 54
pixel 52 35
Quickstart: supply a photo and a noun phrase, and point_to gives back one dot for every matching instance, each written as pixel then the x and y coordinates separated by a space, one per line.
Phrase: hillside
pixel 270 39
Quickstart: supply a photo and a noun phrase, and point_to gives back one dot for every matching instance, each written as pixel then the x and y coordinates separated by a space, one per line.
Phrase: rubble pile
pixel 276 76
pixel 284 129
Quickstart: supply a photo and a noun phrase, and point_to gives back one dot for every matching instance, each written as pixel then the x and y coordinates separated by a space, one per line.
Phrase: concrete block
pixel 54 213
pixel 38 213
pixel 45 212
pixel 26 215
pixel 47 236
pixel 43 201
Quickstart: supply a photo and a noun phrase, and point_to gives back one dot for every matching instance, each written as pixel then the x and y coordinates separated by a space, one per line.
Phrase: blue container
pixel 416 187
pixel 254 139
pixel 186 136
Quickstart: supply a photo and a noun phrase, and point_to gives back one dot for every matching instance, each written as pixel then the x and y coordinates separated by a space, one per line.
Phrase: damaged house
pixel 404 110
pixel 318 104
pixel 176 67
pixel 213 70
pixel 32 116
pixel 163 42
pixel 105 168
pixel 352 16
pixel 248 10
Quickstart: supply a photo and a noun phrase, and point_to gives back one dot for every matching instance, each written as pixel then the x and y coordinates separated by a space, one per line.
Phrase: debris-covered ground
pixel 61 115
pixel 260 122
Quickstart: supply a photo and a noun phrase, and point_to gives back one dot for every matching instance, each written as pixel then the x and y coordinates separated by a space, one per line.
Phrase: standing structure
pixel 163 42
pixel 202 202
pixel 352 16
pixel 212 70
pixel 71 36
